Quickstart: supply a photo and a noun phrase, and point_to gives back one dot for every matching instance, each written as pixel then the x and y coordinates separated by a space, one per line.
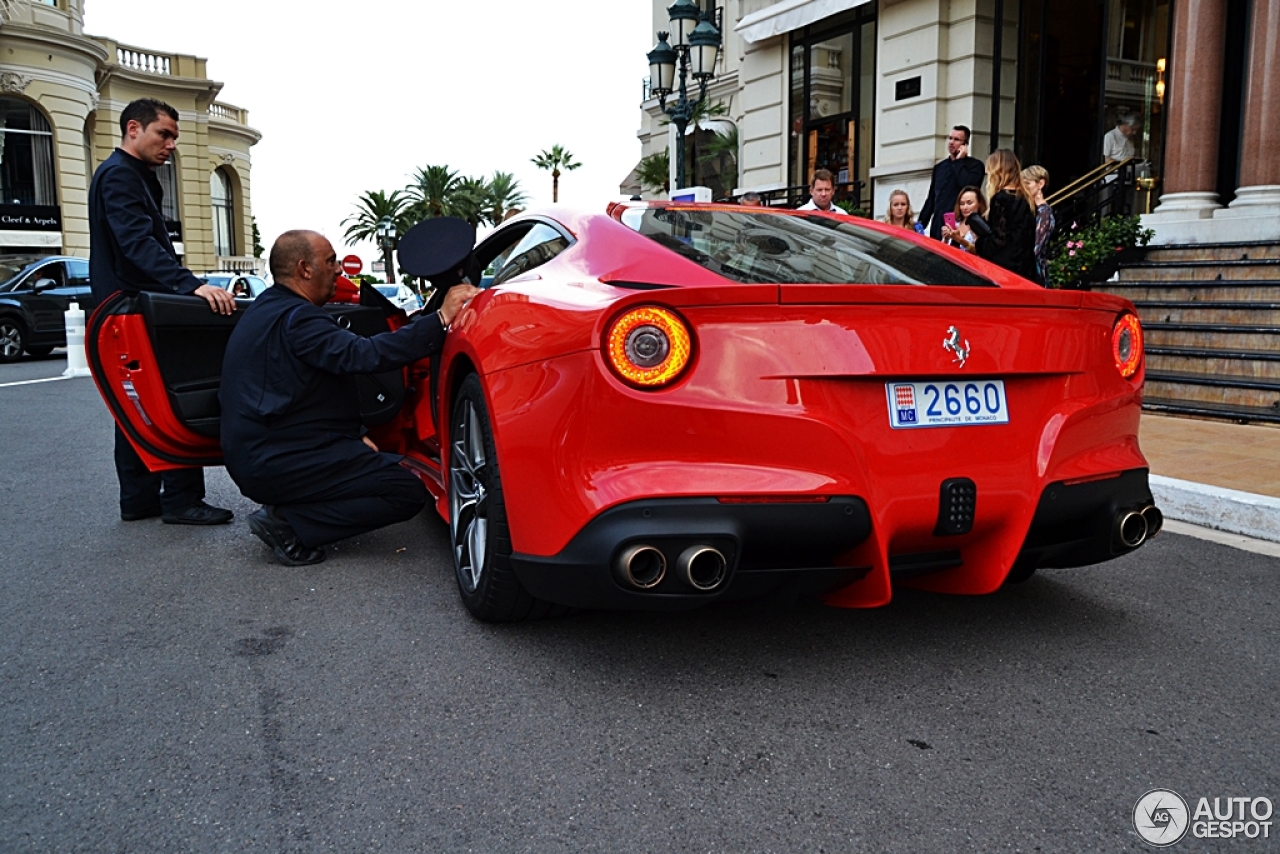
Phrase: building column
pixel 1195 83
pixel 1257 203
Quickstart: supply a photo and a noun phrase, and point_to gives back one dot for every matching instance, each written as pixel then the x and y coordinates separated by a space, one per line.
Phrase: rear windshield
pixel 762 247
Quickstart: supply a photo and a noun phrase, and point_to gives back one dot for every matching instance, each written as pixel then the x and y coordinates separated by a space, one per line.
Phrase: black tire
pixel 13 338
pixel 478 532
pixel 41 351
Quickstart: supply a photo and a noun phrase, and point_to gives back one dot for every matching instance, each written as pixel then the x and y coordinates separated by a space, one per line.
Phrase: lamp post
pixel 692 52
pixel 387 240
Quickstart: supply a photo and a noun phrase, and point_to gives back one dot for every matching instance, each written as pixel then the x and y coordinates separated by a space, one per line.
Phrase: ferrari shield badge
pixel 953 343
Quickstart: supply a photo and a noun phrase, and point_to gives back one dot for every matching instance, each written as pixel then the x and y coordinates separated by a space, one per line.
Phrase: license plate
pixel 947 404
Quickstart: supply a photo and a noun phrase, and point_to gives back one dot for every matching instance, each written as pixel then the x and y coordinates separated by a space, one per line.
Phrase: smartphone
pixel 949 219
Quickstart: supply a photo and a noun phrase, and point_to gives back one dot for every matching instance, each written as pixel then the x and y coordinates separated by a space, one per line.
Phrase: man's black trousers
pixel 341 492
pixel 141 491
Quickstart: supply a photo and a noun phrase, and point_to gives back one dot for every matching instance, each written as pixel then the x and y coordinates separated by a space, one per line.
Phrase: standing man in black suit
pixel 129 250
pixel 950 176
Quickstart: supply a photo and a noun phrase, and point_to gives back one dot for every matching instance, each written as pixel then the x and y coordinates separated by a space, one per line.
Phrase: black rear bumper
pixel 1075 524
pixel 769 545
pixel 764 546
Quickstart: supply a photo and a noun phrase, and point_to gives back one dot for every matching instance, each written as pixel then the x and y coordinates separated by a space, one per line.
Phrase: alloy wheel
pixel 468 496
pixel 10 340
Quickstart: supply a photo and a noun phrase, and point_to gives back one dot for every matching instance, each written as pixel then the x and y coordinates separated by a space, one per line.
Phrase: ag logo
pixel 1161 817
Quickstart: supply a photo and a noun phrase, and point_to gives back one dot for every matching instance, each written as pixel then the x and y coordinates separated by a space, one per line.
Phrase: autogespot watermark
pixel 1162 818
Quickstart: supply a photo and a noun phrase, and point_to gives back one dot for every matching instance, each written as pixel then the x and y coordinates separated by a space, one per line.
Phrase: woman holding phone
pixel 1012 217
pixel 957 229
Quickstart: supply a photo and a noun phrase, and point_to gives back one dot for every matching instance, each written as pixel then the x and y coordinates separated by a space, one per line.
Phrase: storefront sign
pixel 30 218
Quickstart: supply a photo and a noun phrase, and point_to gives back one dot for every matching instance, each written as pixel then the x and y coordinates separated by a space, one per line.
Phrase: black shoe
pixel 276 533
pixel 135 517
pixel 198 514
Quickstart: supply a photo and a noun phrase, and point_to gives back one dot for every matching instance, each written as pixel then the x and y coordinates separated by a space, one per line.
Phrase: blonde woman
pixel 900 213
pixel 1036 177
pixel 1011 215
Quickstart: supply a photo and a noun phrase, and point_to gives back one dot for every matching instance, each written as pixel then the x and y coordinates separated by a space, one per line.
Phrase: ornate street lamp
pixel 387 239
pixel 694 47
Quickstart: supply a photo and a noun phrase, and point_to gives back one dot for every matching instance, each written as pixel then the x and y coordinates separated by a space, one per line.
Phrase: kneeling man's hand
pixel 455 301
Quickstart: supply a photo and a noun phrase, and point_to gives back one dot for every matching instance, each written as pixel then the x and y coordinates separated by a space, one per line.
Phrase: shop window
pixel 832 104
pixel 168 177
pixel 221 198
pixel 26 156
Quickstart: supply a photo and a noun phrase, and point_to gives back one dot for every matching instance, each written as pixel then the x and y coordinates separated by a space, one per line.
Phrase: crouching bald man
pixel 291 432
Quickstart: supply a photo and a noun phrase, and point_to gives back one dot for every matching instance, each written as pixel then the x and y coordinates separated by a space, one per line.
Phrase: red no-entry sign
pixel 352 265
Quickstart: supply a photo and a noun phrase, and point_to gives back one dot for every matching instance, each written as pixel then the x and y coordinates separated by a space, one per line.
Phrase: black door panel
pixel 189 341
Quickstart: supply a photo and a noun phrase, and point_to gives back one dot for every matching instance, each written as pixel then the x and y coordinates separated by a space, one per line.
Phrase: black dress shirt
pixel 949 178
pixel 129 248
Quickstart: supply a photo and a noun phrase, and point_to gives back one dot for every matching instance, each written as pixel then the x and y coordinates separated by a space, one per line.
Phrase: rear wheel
pixel 478 517
pixel 12 339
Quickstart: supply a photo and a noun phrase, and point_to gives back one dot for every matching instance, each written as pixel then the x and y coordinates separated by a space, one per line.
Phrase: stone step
pixel 1216 314
pixel 1147 291
pixel 1262 365
pixel 1241 414
pixel 1208 388
pixel 1213 252
pixel 1211 337
pixel 1198 271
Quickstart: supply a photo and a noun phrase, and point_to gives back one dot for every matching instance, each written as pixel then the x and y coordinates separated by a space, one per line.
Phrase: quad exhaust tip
pixel 1135 527
pixel 640 567
pixel 1155 520
pixel 702 568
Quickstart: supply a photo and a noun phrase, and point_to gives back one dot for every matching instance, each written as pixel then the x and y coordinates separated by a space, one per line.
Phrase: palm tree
pixel 469 200
pixel 371 208
pixel 654 171
pixel 504 196
pixel 433 193
pixel 555 160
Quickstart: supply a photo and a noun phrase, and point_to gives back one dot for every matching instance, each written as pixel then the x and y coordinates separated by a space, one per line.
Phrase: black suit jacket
pixel 949 178
pixel 129 248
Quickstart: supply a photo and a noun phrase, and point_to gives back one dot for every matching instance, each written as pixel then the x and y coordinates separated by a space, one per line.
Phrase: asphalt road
pixel 169 689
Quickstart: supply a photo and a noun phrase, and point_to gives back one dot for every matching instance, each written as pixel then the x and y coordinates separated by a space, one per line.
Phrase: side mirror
pixel 43 285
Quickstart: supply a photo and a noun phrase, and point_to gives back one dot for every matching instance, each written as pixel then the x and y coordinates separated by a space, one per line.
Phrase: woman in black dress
pixel 1011 214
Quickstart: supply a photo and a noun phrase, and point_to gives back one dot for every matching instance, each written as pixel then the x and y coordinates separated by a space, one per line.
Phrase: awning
pixel 788 15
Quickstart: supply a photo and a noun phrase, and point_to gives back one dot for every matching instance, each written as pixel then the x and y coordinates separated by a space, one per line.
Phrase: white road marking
pixel 29 382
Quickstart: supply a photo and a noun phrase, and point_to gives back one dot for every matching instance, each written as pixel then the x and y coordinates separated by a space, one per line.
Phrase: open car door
pixel 157 360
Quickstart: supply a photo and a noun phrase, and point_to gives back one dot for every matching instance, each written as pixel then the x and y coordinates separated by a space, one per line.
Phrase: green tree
pixel 371 208
pixel 434 192
pixel 504 196
pixel 719 160
pixel 555 159
pixel 470 200
pixel 654 171
pixel 257 238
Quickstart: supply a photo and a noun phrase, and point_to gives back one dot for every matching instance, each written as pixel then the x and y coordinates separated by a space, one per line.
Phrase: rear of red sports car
pixel 688 403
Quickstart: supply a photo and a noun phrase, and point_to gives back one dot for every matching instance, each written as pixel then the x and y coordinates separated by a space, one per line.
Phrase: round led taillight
pixel 648 347
pixel 1126 345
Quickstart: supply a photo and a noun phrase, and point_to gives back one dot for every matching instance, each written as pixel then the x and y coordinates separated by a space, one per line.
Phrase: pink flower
pixel 1072 252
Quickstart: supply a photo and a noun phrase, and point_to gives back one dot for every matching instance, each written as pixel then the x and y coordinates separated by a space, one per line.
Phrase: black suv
pixel 35 290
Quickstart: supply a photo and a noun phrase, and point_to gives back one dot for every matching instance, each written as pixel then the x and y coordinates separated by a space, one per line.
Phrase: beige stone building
pixel 61 94
pixel 870 88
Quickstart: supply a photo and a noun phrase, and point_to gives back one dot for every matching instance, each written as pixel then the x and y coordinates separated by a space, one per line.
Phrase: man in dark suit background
pixel 950 176
pixel 129 250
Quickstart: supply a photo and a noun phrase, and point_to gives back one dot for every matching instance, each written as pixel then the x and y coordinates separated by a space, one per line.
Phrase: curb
pixel 1215 507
